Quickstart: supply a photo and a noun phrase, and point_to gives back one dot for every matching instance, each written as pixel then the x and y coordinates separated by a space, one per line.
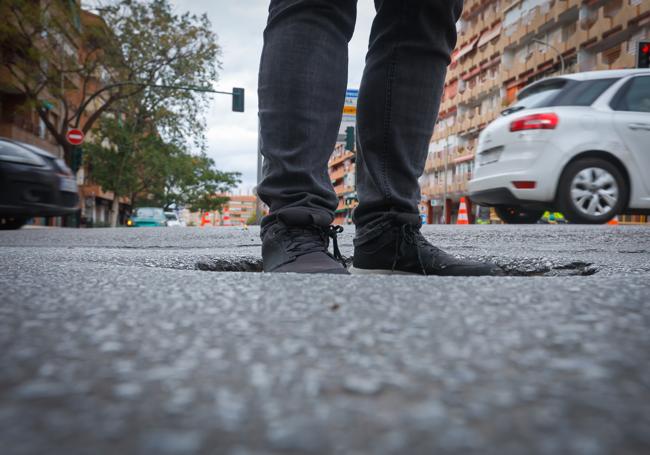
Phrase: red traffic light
pixel 643 54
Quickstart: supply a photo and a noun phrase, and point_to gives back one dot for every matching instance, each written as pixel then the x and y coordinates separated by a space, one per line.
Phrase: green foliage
pixel 193 181
pixel 123 160
pixel 75 62
pixel 129 158
pixel 157 46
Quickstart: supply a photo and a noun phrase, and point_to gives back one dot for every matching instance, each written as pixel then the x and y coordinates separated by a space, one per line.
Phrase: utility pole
pixel 258 201
pixel 562 62
pixel 444 199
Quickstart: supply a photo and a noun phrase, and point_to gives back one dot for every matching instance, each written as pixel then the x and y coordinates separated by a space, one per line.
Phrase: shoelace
pixel 331 232
pixel 410 234
pixel 311 239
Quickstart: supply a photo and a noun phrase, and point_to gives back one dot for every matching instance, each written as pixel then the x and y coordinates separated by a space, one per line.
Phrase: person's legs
pixel 302 83
pixel 399 97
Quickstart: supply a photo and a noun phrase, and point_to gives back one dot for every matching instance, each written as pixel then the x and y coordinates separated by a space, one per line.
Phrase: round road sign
pixel 75 137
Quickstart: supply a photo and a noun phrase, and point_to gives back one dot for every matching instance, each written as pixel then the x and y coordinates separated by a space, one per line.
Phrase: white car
pixel 577 144
pixel 173 220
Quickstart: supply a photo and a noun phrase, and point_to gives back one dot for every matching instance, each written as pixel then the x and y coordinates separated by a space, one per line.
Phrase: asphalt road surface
pixel 117 341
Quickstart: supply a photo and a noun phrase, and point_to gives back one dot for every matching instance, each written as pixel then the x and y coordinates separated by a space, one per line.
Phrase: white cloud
pixel 232 137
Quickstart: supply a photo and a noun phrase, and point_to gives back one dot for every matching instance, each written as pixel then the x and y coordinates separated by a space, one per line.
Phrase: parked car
pixel 173 220
pixel 148 217
pixel 33 182
pixel 575 144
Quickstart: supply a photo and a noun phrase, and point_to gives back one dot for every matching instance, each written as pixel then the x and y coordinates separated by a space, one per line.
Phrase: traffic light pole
pixel 258 202
pixel 237 94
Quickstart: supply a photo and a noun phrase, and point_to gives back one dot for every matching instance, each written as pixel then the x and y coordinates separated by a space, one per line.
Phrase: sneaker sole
pixel 355 271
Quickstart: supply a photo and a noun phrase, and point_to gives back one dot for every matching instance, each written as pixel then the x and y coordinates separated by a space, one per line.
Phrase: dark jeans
pixel 302 84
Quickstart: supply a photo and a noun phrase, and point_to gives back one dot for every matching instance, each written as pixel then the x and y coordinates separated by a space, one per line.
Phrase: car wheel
pixel 518 215
pixel 592 191
pixel 12 222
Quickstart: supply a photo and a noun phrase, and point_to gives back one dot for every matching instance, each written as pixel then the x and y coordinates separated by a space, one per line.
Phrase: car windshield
pixel 584 93
pixel 545 94
pixel 149 212
pixel 171 216
pixel 538 95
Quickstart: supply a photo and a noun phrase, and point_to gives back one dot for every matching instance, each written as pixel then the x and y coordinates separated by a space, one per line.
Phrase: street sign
pixel 75 136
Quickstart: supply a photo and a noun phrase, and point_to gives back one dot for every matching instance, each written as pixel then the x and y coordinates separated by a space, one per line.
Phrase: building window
pixel 611 55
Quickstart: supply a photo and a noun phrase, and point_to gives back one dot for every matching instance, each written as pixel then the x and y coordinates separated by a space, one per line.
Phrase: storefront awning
pixel 489 35
pixel 466 49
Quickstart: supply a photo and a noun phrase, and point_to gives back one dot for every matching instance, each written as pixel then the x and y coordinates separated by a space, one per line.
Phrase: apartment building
pixel 342 162
pixel 342 172
pixel 96 204
pixel 504 45
pixel 239 209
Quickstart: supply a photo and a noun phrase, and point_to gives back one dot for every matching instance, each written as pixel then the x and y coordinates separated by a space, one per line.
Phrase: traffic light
pixel 643 54
pixel 238 100
pixel 349 138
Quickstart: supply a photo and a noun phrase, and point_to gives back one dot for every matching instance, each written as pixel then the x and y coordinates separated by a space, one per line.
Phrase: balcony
pixel 338 174
pixel 340 159
pixel 433 191
pixel 340 190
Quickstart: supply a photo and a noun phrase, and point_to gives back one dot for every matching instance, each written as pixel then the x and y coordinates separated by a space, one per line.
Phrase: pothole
pixel 576 268
pixel 511 267
pixel 231 264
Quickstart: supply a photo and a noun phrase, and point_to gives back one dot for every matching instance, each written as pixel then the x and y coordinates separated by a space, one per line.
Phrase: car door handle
pixel 639 126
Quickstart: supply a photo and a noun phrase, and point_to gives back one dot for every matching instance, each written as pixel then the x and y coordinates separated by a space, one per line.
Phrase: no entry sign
pixel 75 137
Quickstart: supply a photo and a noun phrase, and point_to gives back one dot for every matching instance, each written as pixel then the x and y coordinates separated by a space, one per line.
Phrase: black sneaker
pixel 397 246
pixel 296 244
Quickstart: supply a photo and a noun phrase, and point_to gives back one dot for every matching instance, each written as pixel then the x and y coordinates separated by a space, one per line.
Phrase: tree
pixel 83 63
pixel 193 181
pixel 130 158
pixel 125 158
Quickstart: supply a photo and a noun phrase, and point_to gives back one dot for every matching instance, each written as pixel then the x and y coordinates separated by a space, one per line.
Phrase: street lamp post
pixel 562 62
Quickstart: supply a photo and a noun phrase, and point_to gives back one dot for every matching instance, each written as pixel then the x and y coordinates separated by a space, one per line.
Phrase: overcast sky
pixel 232 137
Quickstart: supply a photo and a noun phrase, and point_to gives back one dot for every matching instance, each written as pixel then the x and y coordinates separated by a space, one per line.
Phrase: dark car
pixel 33 182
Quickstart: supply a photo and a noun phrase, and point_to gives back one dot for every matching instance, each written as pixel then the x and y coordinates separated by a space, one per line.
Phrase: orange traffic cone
pixel 614 221
pixel 205 219
pixel 226 216
pixel 462 212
